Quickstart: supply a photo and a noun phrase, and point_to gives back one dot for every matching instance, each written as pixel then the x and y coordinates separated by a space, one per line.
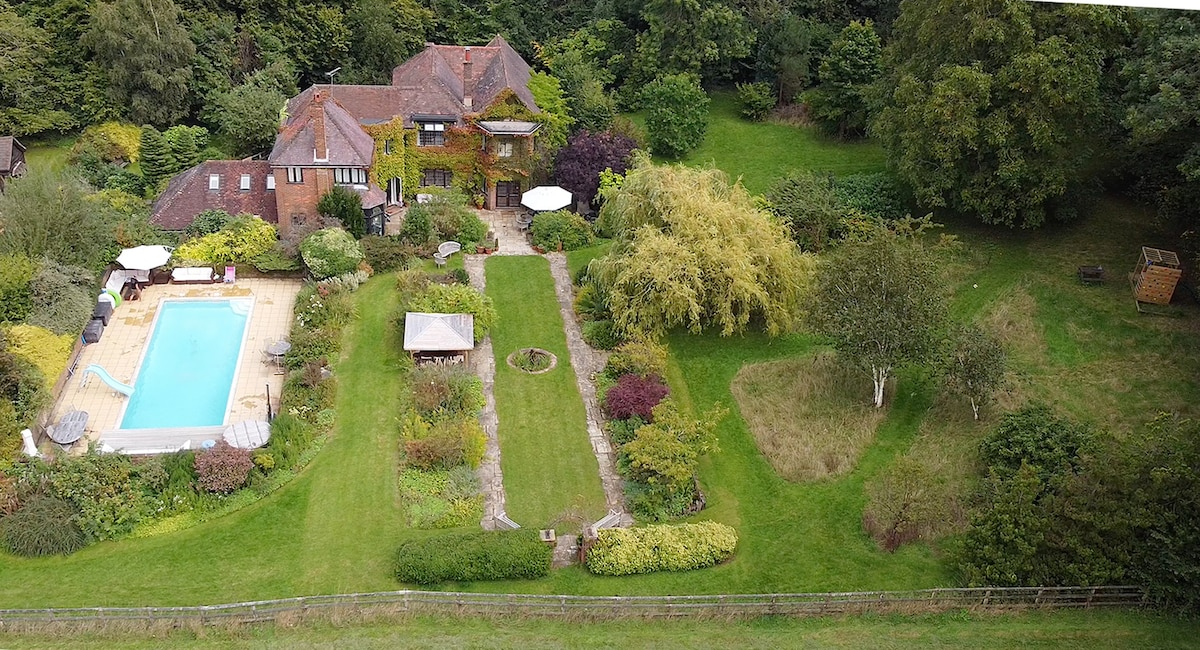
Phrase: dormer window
pixel 431 134
pixel 270 181
pixel 244 183
pixel 214 181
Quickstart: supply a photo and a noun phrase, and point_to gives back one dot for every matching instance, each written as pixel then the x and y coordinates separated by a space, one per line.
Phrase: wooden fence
pixel 590 607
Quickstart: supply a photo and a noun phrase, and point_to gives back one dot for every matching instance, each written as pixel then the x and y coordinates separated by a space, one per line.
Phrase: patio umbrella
pixel 546 198
pixel 144 258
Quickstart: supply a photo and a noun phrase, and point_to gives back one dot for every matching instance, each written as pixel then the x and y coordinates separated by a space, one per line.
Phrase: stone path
pixel 587 363
pixel 510 240
pixel 484 362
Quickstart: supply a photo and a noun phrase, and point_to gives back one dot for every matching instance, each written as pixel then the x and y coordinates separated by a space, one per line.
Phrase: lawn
pixel 48 153
pixel 1076 629
pixel 549 468
pixel 760 152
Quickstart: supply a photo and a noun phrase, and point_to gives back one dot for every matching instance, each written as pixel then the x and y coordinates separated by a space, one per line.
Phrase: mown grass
pixel 549 469
pixel 811 417
pixel 49 153
pixel 1073 629
pixel 761 152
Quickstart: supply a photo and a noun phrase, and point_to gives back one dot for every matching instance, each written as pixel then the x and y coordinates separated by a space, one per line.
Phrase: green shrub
pixel 590 305
pixel 441 393
pixel 456 299
pixel 21 384
pixel 110 142
pixel 207 223
pixel 446 217
pixel 876 194
pixel 409 283
pixel 757 100
pixel 561 227
pixel 42 348
pixel 311 345
pixel 16 295
pixel 387 253
pixel 676 114
pixel 62 297
pixel 642 358
pixel 110 497
pixel 330 252
pixel 623 431
pixel 343 204
pixel 444 444
pixel 1036 436
pixel 322 306
pixel 276 260
pixel 602 335
pixel 441 499
pixel 290 436
pixel 241 240
pixel 305 399
pixel 682 547
pixel 417 228
pixel 44 526
pixel 473 556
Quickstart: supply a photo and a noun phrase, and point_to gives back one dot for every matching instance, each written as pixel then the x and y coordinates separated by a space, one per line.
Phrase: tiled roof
pixel 188 193
pixel 434 79
pixel 7 143
pixel 370 196
pixel 346 143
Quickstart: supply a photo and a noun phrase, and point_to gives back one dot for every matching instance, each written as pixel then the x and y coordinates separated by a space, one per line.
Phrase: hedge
pixel 472 556
pixel 682 547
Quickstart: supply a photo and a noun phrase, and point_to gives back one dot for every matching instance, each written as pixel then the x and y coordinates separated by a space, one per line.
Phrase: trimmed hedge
pixel 682 547
pixel 472 556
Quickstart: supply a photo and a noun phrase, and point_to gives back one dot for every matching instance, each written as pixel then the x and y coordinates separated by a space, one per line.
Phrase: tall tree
pixel 147 55
pixel 25 106
pixel 249 114
pixel 880 300
pixel 48 214
pixel 973 365
pixel 839 102
pixel 676 114
pixel 155 157
pixel 578 165
pixel 688 36
pixel 987 103
pixel 383 34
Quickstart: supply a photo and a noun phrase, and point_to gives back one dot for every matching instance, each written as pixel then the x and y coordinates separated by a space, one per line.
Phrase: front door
pixel 395 194
pixel 508 194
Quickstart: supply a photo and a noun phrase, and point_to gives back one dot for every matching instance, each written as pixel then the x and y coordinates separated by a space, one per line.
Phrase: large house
pixel 453 117
pixel 12 159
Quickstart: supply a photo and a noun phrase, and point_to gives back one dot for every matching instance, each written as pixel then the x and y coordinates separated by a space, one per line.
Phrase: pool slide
pixel 100 372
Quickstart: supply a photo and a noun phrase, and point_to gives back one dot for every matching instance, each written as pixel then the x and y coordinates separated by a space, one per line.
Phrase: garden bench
pixel 445 250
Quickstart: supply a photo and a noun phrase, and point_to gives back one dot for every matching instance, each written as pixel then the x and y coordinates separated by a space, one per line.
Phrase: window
pixel 270 181
pixel 244 182
pixel 387 146
pixel 295 174
pixel 504 149
pixel 431 134
pixel 436 178
pixel 349 176
pixel 214 181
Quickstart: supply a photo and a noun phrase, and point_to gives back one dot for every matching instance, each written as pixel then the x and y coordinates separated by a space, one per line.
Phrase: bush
pixel 207 223
pixel 417 228
pixel 330 252
pixel 276 260
pixel 757 100
pixel 441 499
pixel 634 396
pixel 387 253
pixel 42 348
pixel 289 438
pixel 601 334
pixel 473 556
pixel 343 204
pixel 44 526
pixel 1034 435
pixel 305 399
pixel 323 306
pixel 109 496
pixel 682 547
pixel 623 431
pixel 590 305
pixel 641 358
pixel 446 217
pixel 62 298
pixel 111 142
pixel 561 227
pixel 676 114
pixel 877 194
pixel 441 393
pixel 311 345
pixel 224 468
pixel 456 299
pixel 238 242
pixel 21 384
pixel 443 445
pixel 16 295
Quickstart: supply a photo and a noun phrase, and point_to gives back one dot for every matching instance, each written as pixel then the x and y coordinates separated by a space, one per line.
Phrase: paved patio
pixel 127 334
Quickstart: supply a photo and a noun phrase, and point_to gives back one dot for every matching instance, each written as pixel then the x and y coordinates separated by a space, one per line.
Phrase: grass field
pixel 1095 630
pixel 48 153
pixel 549 469
pixel 759 152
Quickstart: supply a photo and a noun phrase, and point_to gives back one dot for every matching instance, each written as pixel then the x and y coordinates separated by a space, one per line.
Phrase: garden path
pixel 510 240
pixel 587 363
pixel 484 362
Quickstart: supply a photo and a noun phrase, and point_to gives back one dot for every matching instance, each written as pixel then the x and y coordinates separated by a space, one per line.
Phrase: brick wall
pixel 297 202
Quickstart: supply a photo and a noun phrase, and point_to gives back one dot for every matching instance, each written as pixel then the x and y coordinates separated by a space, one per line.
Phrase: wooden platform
pixel 157 441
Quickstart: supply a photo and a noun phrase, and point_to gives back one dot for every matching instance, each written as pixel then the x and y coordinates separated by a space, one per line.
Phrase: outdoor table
pixel 69 428
pixel 277 349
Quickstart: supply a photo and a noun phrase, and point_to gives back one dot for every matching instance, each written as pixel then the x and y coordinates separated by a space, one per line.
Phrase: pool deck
pixel 127 334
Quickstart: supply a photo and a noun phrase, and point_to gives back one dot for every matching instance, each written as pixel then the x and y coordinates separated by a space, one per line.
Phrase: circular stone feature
pixel 534 361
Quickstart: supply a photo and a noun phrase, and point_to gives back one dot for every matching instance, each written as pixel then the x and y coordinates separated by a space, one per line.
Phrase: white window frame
pixel 244 183
pixel 504 148
pixel 435 130
pixel 349 176
pixel 271 181
pixel 295 175
pixel 387 146
pixel 214 181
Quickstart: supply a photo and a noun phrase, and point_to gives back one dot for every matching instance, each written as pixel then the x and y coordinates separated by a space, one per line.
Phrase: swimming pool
pixel 188 368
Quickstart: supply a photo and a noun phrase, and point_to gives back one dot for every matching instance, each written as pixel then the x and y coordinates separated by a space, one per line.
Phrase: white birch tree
pixel 974 365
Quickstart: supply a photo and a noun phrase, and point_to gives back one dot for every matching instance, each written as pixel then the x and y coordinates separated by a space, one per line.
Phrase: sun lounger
pixel 193 275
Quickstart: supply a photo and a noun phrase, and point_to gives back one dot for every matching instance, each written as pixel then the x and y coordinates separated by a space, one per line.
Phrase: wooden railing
pixel 596 607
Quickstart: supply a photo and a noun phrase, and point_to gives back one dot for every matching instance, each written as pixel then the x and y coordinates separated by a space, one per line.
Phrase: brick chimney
pixel 320 149
pixel 467 87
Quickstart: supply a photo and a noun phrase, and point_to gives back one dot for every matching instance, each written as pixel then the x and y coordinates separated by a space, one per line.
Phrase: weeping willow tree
pixel 691 250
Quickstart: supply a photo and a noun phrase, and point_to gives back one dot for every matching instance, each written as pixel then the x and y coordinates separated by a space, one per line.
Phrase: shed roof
pixel 438 332
pixel 7 144
pixel 509 127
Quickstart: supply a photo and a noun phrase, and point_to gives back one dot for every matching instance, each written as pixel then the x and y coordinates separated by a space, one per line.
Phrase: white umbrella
pixel 545 198
pixel 144 258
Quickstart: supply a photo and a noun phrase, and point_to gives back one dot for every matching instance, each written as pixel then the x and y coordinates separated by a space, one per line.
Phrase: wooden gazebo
pixel 1155 276
pixel 439 338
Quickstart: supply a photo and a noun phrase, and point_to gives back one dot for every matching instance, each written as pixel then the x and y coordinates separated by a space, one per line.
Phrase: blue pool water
pixel 188 368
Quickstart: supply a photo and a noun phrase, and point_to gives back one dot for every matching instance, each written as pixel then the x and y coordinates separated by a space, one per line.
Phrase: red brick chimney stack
pixel 320 149
pixel 467 78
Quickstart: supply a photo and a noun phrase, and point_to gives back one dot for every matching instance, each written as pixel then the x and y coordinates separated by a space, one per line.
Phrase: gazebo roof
pixel 438 332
